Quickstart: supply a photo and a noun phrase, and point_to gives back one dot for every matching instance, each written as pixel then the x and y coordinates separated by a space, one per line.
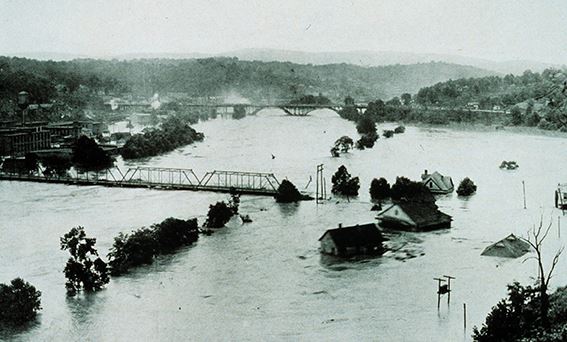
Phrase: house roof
pixel 443 182
pixel 359 235
pixel 423 213
pixel 509 247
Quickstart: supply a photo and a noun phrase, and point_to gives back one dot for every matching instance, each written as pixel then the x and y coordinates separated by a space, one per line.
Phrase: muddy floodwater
pixel 266 280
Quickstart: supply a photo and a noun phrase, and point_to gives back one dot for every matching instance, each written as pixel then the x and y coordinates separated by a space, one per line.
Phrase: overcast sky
pixel 494 29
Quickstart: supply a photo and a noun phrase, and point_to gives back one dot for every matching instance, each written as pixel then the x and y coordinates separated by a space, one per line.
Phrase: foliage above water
pixel 342 145
pixel 142 245
pixel 19 302
pixel 173 133
pixel 466 187
pixel 288 193
pixel 344 184
pixel 406 189
pixel 84 270
pixel 219 214
pixel 379 189
pixel 89 156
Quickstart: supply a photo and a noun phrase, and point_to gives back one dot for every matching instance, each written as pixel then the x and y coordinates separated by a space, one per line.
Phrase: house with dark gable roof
pixel 414 216
pixel 437 183
pixel 352 240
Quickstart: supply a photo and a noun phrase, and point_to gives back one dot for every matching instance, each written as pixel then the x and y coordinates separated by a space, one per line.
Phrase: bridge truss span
pixel 161 176
pixel 240 181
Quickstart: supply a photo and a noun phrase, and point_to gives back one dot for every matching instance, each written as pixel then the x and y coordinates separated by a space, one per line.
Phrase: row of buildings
pixel 19 139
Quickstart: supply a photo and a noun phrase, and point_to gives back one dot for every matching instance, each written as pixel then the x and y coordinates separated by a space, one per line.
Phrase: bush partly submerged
pixel 142 245
pixel 19 302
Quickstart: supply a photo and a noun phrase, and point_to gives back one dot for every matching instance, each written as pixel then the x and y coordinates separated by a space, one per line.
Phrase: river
pixel 266 280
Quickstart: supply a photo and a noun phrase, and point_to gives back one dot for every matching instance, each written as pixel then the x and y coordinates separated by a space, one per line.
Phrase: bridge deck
pixel 137 184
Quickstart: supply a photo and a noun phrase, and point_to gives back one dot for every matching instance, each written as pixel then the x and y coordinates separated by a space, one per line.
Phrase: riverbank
pixel 477 127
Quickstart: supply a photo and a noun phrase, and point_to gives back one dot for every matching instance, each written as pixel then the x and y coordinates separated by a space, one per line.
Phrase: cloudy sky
pixel 494 29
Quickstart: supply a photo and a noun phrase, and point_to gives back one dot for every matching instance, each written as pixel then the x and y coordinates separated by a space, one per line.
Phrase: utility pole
pixel 524 190
pixel 321 188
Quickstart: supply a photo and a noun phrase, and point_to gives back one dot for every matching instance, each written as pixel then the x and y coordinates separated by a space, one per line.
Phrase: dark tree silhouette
pixel 344 184
pixel 85 270
pixel 19 302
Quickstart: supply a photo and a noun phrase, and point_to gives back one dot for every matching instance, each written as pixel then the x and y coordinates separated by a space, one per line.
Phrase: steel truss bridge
pixel 248 183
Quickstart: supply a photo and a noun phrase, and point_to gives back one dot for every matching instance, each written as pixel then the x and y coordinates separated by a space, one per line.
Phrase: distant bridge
pixel 248 183
pixel 254 108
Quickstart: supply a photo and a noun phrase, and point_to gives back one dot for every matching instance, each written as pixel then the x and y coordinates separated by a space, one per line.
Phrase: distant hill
pixel 361 58
pixel 379 58
pixel 220 76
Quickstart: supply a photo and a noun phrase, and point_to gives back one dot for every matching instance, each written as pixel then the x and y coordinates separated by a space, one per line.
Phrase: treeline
pixel 66 85
pixel 49 80
pixel 172 134
pixel 493 91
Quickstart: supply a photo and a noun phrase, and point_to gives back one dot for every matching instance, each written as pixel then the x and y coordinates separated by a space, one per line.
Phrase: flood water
pixel 266 280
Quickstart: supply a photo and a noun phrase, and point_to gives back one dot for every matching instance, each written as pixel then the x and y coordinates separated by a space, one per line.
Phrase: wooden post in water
pixel 465 316
pixel 524 190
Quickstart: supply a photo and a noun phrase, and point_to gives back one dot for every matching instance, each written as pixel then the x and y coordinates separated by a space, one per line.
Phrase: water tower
pixel 23 102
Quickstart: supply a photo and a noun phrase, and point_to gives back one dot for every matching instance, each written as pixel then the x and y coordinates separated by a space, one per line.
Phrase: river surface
pixel 266 280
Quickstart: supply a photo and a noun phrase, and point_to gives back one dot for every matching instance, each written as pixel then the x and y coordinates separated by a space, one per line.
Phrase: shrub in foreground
pixel 19 302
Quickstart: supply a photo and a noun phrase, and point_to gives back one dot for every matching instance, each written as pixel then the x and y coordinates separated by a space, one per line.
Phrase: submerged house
pixel 509 247
pixel 352 240
pixel 414 216
pixel 437 183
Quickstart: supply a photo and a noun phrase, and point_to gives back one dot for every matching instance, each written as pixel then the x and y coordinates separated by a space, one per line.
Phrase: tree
pixel 56 165
pixel 366 141
pixel 142 245
pixel 288 193
pixel 512 318
pixel 219 214
pixel 406 99
pixel 84 269
pixel 343 144
pixel 536 237
pixel 19 302
pixel 88 156
pixel 366 125
pixel 131 250
pixel 466 187
pixel 344 184
pixel 405 189
pixel 516 116
pixel 239 112
pixel 173 233
pixel 400 129
pixel 379 189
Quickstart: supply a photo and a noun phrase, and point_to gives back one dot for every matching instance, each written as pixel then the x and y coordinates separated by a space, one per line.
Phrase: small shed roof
pixel 359 235
pixel 509 247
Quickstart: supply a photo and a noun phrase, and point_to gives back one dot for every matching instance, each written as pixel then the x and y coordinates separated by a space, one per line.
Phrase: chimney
pixel 425 172
pixel 340 225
